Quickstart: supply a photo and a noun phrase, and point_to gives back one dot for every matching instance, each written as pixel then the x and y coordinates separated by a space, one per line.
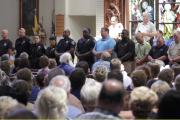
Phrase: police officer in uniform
pixel 50 51
pixel 37 50
pixel 85 47
pixel 22 44
pixel 66 44
pixel 5 44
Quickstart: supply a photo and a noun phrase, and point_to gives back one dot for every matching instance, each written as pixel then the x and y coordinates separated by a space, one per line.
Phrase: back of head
pixel 6 103
pixel 100 73
pixel 6 67
pixel 142 101
pixel 44 61
pixel 115 74
pixel 54 72
pixel 52 63
pixel 21 91
pixel 160 87
pixel 155 69
pixel 167 75
pixel 176 69
pixel 77 76
pixel 24 74
pixel 177 83
pixel 24 55
pixel 84 65
pixel 52 103
pixel 24 63
pixel 115 64
pixel 19 112
pixel 147 70
pixel 111 95
pixel 4 79
pixel 62 82
pixel 65 58
pixel 169 105
pixel 105 56
pixel 90 93
pixel 5 57
pixel 41 79
pixel 139 78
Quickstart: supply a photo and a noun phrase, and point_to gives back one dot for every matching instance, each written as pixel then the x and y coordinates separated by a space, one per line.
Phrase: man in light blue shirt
pixel 105 44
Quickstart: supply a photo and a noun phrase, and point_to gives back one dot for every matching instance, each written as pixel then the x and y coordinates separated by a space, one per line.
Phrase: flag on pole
pixel 36 25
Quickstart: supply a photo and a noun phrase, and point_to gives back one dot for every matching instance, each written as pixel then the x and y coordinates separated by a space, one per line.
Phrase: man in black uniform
pixel 37 50
pixel 5 43
pixel 66 44
pixel 125 50
pixel 50 51
pixel 22 44
pixel 85 46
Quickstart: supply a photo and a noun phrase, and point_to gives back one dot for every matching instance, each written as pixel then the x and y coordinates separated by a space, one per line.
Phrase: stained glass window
pixel 137 7
pixel 169 16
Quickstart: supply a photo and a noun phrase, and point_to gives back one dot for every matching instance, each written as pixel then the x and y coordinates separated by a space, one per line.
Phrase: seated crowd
pixel 104 79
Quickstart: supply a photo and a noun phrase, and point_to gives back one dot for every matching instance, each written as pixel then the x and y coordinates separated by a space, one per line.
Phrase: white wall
pixel 99 16
pixel 77 23
pixel 82 7
pixel 9 12
pixel 45 10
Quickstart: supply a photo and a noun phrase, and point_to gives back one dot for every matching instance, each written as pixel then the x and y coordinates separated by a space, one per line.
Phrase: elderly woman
pixel 52 103
pixel 142 102
pixel 66 63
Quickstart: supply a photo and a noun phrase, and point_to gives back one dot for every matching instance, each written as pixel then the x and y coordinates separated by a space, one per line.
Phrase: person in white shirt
pixel 115 28
pixel 147 28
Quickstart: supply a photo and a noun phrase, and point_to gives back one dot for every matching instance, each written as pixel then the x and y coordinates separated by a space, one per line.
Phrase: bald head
pixel 139 37
pixel 22 32
pixel 105 56
pixel 112 92
pixel 4 34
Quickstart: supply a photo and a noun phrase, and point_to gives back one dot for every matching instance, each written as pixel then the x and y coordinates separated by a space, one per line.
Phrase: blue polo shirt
pixel 105 44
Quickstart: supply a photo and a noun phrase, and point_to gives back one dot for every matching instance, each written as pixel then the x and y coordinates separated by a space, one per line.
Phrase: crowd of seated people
pixel 125 79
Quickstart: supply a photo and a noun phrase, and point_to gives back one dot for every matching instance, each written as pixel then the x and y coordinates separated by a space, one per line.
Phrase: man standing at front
pixel 22 44
pixel 66 44
pixel 105 44
pixel 125 50
pixel 5 44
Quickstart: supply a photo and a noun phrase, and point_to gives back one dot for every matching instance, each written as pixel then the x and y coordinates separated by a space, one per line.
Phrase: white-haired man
pixel 5 43
pixel 74 105
pixel 147 28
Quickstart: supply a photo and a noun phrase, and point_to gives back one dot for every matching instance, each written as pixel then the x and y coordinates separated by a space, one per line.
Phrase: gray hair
pixel 90 91
pixel 24 55
pixel 62 82
pixel 6 103
pixel 52 103
pixel 65 58
pixel 160 87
